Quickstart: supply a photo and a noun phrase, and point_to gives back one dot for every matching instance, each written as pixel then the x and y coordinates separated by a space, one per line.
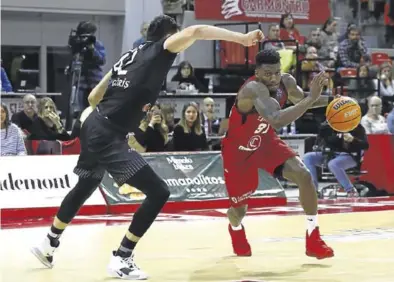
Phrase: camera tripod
pixel 76 67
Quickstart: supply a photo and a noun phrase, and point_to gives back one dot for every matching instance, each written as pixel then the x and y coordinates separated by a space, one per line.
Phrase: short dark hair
pixel 269 56
pixel 160 27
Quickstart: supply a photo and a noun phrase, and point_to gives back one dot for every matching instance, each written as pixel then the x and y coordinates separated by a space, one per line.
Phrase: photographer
pixel 90 52
pixel 340 151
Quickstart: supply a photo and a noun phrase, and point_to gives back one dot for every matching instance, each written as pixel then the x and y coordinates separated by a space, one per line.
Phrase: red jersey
pixel 251 144
pixel 243 126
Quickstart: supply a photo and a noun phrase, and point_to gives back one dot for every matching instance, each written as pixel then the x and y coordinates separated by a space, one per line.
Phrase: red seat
pixel 233 54
pixel 348 72
pixel 380 58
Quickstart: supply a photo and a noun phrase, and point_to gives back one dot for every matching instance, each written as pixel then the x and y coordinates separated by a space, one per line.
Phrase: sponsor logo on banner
pixel 180 163
pixel 304 11
pixel 38 181
pixel 198 180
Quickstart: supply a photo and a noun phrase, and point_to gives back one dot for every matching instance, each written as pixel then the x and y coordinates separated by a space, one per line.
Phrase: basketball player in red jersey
pixel 252 143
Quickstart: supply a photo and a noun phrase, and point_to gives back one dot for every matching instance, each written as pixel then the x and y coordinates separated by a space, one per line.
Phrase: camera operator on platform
pixel 91 54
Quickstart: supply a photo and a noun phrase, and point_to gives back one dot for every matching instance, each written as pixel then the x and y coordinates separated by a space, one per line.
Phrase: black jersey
pixel 136 81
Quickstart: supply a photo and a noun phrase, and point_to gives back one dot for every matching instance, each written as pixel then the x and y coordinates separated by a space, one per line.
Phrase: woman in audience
pixel 289 31
pixel 168 114
pixel 188 134
pixel 386 80
pixel 373 121
pixel 152 134
pixel 12 143
pixel 186 78
pixel 48 125
pixel 363 87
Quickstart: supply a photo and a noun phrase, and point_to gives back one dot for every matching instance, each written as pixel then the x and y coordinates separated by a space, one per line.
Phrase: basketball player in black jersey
pixel 116 103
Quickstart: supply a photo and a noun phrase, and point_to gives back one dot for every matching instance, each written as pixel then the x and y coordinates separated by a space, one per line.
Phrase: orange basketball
pixel 343 114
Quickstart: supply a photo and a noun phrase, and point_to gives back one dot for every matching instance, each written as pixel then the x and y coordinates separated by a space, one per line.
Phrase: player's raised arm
pixel 296 94
pixel 97 94
pixel 258 94
pixel 185 38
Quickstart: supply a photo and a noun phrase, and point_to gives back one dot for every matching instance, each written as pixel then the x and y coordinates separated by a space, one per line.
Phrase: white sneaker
pixel 44 252
pixel 125 268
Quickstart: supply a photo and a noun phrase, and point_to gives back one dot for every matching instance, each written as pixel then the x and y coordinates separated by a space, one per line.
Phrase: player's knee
pixel 160 192
pixel 303 175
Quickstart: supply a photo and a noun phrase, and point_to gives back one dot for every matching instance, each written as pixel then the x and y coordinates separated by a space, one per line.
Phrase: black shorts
pixel 105 148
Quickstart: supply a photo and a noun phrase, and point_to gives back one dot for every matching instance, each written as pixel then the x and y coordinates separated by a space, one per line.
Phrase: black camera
pixel 79 43
pixel 80 38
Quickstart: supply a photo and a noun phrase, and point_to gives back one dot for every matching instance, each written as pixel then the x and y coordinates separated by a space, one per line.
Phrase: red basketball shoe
pixel 241 245
pixel 316 247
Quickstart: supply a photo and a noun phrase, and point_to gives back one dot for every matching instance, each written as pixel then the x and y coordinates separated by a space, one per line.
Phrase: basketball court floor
pixel 195 246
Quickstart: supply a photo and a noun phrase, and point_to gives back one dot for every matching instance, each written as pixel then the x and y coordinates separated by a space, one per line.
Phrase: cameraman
pixel 91 53
pixel 340 151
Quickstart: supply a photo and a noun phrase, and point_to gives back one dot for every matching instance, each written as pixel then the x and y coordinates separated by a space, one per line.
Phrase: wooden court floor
pixel 199 250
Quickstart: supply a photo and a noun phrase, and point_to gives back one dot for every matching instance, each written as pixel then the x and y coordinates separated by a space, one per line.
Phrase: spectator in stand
pixel 188 134
pixel 390 121
pixel 168 112
pixel 386 80
pixel 152 134
pixel 24 119
pixel 362 87
pixel 389 23
pixel 48 125
pixel 373 121
pixel 210 124
pixel 143 31
pixel 353 51
pixel 310 68
pixel 345 150
pixel 273 34
pixel 329 39
pixel 12 143
pixel 323 52
pixel 186 78
pixel 5 82
pixel 289 31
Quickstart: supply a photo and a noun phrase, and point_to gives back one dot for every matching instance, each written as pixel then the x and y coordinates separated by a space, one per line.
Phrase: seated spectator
pixel 390 121
pixel 24 119
pixel 12 143
pixel 188 134
pixel 273 34
pixel 5 82
pixel 210 124
pixel 352 51
pixel 329 38
pixel 363 87
pixel 143 31
pixel 341 151
pixel 310 68
pixel 186 78
pixel 373 121
pixel 386 80
pixel 48 126
pixel 152 134
pixel 322 51
pixel 168 112
pixel 288 31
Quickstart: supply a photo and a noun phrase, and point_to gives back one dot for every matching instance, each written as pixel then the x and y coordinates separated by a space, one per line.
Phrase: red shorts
pixel 241 166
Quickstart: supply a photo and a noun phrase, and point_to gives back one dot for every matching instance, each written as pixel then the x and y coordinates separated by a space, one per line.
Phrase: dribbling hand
pixel 252 38
pixel 317 84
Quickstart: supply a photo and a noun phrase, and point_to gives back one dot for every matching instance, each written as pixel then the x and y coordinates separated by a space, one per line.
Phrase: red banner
pixel 303 11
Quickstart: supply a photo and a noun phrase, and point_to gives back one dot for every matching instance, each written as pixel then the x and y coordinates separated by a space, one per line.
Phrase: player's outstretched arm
pixel 97 94
pixel 184 39
pixel 296 94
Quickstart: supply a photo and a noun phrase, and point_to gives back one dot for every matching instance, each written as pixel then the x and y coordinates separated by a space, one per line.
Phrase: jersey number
pixel 124 61
pixel 262 128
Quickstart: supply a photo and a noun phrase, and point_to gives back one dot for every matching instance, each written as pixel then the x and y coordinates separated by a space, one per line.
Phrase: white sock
pixel 311 223
pixel 239 227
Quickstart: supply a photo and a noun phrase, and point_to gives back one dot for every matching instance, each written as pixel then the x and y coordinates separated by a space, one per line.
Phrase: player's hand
pixel 317 84
pixel 252 38
pixel 348 138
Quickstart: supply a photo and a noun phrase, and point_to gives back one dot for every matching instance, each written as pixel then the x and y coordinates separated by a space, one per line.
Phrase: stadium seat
pixel 348 72
pixel 71 147
pixel 380 58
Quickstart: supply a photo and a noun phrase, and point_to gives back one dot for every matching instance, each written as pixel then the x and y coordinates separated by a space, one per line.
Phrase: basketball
pixel 343 114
